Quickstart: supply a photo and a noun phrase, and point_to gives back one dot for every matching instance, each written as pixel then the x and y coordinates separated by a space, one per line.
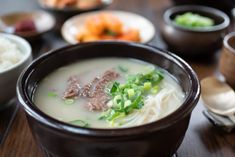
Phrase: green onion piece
pixel 147 86
pixel 122 69
pixel 127 103
pixel 51 94
pixel 79 123
pixel 131 93
pixel 117 100
pixel 114 87
pixel 155 89
pixel 69 101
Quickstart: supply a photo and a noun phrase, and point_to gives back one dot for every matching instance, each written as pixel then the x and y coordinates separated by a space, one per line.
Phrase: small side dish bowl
pixel 194 41
pixel 160 138
pixel 9 76
pixel 73 26
pixel 29 25
pixel 225 6
pixel 227 59
pixel 63 14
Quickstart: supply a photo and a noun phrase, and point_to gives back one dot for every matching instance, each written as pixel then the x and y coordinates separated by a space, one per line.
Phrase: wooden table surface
pixel 201 140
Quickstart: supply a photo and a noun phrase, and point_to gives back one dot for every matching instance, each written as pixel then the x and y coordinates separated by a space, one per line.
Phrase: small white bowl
pixel 73 25
pixel 44 22
pixel 8 77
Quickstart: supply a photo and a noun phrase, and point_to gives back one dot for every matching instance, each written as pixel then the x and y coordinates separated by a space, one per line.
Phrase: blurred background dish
pixel 65 10
pixel 29 25
pixel 15 55
pixel 218 97
pixel 73 27
pixel 223 5
pixel 72 4
pixel 227 59
pixel 194 40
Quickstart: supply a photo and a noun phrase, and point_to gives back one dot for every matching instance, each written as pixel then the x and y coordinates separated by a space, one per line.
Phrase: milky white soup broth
pixel 157 100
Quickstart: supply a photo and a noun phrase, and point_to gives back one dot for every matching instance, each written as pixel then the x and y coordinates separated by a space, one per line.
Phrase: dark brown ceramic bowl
pixel 198 41
pixel 158 139
pixel 227 59
pixel 223 5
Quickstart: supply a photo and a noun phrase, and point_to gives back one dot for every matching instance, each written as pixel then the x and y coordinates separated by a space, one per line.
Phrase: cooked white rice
pixel 10 54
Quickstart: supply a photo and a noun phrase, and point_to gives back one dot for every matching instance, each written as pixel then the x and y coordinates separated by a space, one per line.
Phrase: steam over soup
pixel 108 93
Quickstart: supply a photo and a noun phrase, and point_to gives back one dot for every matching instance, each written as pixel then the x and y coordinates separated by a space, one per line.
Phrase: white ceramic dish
pixel 73 25
pixel 103 3
pixel 44 22
pixel 8 77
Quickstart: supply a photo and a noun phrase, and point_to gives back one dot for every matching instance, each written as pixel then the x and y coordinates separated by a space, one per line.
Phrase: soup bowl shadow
pixel 157 139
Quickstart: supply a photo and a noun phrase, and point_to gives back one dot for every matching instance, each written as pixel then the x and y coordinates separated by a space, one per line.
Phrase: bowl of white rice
pixel 15 55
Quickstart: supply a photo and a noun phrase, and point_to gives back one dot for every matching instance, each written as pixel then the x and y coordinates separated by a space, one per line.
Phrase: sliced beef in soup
pixel 93 91
pixel 99 97
pixel 74 88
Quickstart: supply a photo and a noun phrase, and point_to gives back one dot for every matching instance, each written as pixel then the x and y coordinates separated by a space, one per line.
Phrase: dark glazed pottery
pixel 195 41
pixel 223 5
pixel 158 139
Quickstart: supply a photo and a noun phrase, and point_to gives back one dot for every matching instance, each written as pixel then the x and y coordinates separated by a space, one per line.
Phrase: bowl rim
pixel 26 55
pixel 167 14
pixel 103 4
pixel 188 105
pixel 226 41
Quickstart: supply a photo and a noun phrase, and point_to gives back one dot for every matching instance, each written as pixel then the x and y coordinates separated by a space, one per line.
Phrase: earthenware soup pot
pixel 157 139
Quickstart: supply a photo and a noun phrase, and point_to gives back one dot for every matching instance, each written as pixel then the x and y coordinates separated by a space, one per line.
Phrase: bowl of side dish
pixel 108 93
pixel 194 30
pixel 108 25
pixel 225 6
pixel 14 57
pixel 65 9
pixel 29 25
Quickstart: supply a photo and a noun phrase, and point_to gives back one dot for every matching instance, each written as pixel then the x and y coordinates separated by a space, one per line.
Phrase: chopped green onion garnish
pixel 131 93
pixel 127 103
pixel 155 89
pixel 122 69
pixel 51 94
pixel 79 123
pixel 129 96
pixel 147 86
pixel 69 101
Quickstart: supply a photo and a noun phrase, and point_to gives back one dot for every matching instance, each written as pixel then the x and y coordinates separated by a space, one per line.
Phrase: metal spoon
pixel 219 97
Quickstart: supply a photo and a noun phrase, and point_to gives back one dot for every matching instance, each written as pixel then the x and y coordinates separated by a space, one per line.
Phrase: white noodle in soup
pixel 109 93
